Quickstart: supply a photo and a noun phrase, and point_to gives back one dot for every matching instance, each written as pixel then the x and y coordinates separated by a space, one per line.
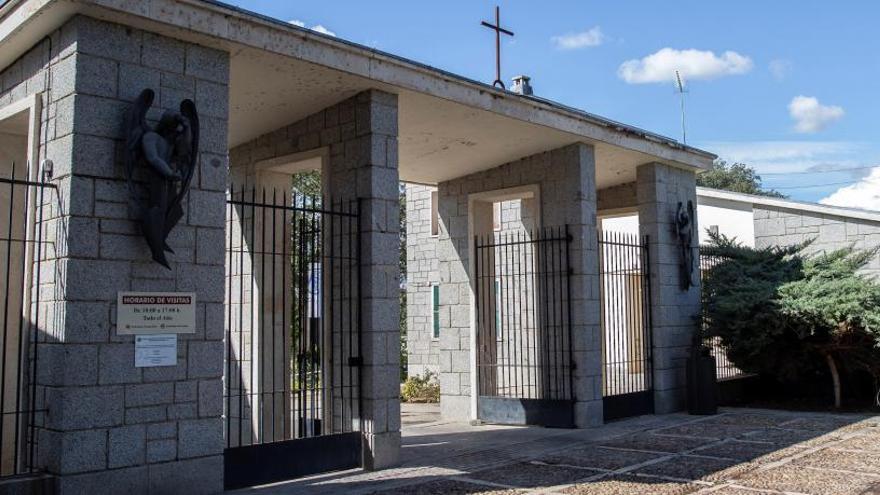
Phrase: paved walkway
pixel 739 452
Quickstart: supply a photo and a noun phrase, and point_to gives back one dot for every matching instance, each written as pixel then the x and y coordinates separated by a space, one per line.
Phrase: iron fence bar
pixel 543 239
pixel 274 256
pixel 35 329
pixel 360 298
pixel 649 310
pixel 285 356
pixel 531 327
pixel 331 316
pixel 255 204
pixel 21 435
pixel 262 330
pixel 229 353
pixel 478 309
pixel 255 311
pixel 21 182
pixel 572 366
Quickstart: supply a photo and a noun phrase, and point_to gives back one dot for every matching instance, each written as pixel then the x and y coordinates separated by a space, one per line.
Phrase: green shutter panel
pixel 436 309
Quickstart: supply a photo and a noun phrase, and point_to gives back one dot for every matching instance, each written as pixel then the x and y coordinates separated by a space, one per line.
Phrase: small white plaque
pixel 155 350
pixel 145 313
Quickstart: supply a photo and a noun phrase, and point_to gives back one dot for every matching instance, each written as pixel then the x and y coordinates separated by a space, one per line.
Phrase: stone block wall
pixel 108 426
pixel 566 178
pixel 620 197
pixel 783 227
pixel 422 272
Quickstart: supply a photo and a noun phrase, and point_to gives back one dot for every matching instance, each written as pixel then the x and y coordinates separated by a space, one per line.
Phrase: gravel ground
pixel 657 443
pixel 696 468
pixel 600 458
pixel 791 478
pixel 632 485
pixel 534 475
pixel 748 451
pixel 738 452
pixel 450 487
pixel 848 460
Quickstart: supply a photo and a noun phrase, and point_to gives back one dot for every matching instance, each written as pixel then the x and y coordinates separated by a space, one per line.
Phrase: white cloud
pixel 317 27
pixel 863 194
pixel 777 157
pixel 693 64
pixel 584 39
pixel 780 69
pixel 321 29
pixel 811 116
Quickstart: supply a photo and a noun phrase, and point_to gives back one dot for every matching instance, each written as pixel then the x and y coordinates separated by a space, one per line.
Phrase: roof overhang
pixel 751 199
pixel 450 126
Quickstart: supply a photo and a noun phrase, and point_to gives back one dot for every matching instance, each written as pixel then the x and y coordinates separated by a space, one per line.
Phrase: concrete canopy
pixel 449 126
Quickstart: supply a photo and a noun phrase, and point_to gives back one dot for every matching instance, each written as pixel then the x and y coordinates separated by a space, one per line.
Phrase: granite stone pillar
pixel 675 312
pixel 363 166
pixel 106 426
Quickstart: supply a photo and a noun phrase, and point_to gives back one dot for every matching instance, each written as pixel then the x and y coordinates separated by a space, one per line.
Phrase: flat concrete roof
pixel 449 125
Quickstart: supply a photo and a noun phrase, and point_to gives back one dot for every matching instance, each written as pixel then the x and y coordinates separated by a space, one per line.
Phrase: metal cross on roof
pixel 498 30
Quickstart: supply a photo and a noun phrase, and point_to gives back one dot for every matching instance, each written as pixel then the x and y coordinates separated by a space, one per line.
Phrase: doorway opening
pixel 293 326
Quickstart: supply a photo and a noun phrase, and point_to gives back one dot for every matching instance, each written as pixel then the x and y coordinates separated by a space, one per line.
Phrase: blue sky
pixel 787 86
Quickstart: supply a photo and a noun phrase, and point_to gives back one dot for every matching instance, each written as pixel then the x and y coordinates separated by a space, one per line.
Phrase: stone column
pixel 363 166
pixel 109 426
pixel 675 313
pixel 580 216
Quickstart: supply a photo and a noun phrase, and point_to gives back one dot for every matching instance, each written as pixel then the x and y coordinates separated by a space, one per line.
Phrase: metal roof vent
pixel 521 85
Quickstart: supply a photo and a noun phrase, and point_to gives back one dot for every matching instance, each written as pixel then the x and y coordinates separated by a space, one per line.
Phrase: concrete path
pixel 739 452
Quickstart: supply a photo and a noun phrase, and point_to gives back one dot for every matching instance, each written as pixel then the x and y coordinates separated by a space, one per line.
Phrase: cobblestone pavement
pixel 738 452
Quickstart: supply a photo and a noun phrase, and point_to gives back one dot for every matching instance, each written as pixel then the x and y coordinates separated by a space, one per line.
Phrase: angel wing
pixel 135 127
pixel 175 210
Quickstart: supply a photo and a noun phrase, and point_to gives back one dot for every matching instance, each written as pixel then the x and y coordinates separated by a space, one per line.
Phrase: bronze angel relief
pixel 168 154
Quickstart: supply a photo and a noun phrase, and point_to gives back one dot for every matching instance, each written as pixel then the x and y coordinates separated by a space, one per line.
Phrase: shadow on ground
pixel 738 452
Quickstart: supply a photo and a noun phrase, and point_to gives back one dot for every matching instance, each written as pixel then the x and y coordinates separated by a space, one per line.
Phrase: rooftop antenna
pixel 679 85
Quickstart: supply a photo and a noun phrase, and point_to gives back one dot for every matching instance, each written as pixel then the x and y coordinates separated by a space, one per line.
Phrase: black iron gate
pixel 627 377
pixel 23 247
pixel 524 359
pixel 724 367
pixel 293 337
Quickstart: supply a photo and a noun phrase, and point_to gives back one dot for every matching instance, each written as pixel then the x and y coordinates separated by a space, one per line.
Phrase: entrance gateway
pixel 267 89
pixel 627 337
pixel 293 367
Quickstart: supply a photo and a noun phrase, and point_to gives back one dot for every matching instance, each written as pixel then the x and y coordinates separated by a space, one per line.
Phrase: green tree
pixel 735 177
pixel 308 183
pixel 784 314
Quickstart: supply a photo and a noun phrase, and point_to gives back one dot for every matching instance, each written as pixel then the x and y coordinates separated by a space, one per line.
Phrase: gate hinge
pixel 355 361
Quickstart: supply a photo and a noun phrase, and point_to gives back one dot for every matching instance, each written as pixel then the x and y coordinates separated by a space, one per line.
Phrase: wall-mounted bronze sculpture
pixel 684 226
pixel 169 154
